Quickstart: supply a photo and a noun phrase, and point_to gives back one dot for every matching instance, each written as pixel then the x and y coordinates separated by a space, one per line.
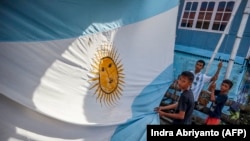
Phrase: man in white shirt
pixel 200 79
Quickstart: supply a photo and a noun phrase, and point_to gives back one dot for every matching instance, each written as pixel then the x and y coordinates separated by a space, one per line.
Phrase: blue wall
pixel 192 45
pixel 184 60
pixel 208 41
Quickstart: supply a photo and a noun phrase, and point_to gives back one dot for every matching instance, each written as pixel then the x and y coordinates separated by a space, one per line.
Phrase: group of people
pixel 191 83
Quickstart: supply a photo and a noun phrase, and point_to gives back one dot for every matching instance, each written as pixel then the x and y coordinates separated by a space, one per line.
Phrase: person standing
pixel 218 98
pixel 200 78
pixel 185 105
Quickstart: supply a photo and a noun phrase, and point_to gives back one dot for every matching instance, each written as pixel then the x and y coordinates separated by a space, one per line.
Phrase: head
pixel 200 64
pixel 226 85
pixel 185 80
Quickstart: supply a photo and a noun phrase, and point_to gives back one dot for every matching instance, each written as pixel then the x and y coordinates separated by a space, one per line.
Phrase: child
pixel 185 106
pixel 218 102
pixel 201 79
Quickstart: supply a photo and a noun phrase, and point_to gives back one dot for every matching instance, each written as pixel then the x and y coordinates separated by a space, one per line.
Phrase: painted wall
pixel 208 40
pixel 192 45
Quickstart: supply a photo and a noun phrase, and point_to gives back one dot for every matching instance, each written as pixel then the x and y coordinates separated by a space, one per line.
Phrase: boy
pixel 185 106
pixel 200 79
pixel 218 102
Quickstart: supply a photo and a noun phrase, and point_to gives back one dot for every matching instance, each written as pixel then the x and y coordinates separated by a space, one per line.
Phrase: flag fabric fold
pixel 76 75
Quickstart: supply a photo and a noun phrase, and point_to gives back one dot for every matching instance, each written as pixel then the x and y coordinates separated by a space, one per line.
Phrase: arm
pixel 212 89
pixel 168 107
pixel 179 115
pixel 215 77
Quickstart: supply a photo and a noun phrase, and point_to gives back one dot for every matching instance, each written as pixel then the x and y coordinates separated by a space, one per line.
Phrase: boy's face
pixel 199 66
pixel 224 88
pixel 184 83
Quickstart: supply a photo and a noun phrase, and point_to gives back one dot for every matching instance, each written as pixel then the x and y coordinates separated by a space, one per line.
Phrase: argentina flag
pixel 78 70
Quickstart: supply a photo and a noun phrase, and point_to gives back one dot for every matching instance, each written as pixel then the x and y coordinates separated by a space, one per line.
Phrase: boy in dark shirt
pixel 218 98
pixel 185 106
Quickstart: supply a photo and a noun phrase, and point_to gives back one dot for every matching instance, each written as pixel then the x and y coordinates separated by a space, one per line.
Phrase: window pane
pixel 201 15
pixel 185 15
pixel 223 26
pixel 205 25
pixel 208 16
pixel 198 24
pixel 203 6
pixel 210 6
pixel 221 6
pixel 184 23
pixel 194 7
pixel 216 26
pixel 188 6
pixel 226 16
pixel 190 23
pixel 192 14
pixel 230 6
pixel 218 16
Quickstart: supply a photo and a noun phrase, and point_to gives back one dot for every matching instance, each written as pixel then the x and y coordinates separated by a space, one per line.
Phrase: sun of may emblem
pixel 108 72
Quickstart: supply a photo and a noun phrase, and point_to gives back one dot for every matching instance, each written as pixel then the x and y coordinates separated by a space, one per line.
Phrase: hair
pixel 229 82
pixel 189 75
pixel 201 61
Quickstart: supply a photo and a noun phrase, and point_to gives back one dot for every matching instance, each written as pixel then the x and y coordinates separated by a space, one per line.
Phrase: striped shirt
pixel 199 80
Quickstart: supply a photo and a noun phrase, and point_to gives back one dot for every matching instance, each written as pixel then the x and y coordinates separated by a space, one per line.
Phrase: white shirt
pixel 199 80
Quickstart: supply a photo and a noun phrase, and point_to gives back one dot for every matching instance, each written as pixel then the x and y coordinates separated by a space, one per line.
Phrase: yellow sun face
pixel 108 80
pixel 108 75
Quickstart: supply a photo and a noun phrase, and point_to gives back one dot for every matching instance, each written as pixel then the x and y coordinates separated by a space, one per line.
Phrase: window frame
pixel 197 12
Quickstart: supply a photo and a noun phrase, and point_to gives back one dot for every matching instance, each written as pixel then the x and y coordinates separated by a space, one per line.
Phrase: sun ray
pixel 112 98
pixel 108 76
pixel 109 99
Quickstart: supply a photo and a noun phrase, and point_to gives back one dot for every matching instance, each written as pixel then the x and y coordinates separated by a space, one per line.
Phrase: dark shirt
pixel 185 103
pixel 216 106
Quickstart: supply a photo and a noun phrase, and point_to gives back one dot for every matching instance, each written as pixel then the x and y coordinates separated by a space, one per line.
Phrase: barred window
pixel 206 15
pixel 189 14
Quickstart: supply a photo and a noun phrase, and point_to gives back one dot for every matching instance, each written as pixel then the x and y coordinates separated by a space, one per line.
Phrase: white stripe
pixel 52 78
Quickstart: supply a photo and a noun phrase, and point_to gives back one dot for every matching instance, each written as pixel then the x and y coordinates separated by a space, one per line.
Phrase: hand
pixel 212 86
pixel 157 109
pixel 220 65
pixel 161 113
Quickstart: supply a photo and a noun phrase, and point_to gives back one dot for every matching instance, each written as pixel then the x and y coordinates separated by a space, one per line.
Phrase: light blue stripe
pixel 143 109
pixel 39 20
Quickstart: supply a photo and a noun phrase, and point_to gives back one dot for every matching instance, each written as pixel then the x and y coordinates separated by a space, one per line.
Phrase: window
pixel 189 14
pixel 206 15
pixel 222 16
